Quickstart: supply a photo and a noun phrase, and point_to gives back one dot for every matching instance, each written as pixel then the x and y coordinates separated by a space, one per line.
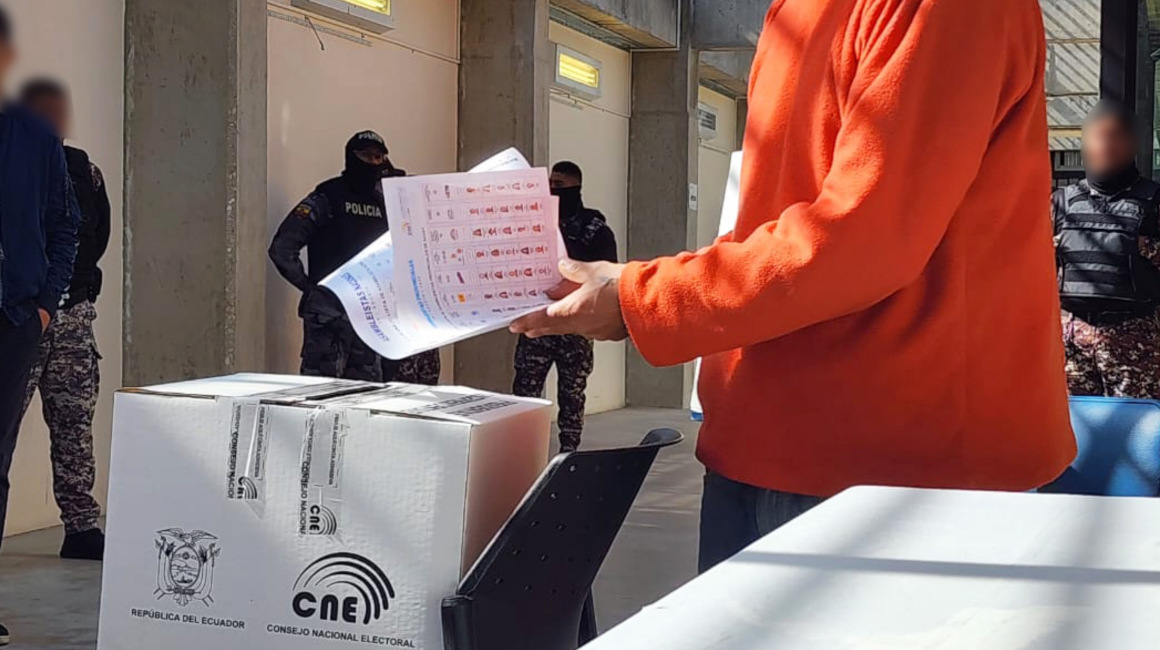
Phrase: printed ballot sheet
pixel 467 254
pixel 473 251
pixel 365 286
pixel 729 212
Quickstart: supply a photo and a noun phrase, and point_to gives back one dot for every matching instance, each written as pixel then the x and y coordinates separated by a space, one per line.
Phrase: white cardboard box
pixel 257 512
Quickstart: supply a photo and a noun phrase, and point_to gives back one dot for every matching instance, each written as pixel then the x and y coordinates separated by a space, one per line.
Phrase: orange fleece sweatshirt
pixel 886 310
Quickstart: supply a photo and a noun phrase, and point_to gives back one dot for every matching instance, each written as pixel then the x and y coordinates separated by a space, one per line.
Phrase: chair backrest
pixel 1119 448
pixel 529 587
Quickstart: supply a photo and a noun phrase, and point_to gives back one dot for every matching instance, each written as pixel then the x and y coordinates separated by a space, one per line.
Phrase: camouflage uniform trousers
pixel 1116 360
pixel 330 348
pixel 574 358
pixel 67 372
pixel 423 368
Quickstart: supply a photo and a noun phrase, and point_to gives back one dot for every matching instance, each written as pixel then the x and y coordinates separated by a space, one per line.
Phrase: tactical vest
pixel 1100 266
pixel 86 279
pixel 349 222
pixel 579 231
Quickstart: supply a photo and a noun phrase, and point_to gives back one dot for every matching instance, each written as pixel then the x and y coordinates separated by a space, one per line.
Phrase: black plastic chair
pixel 532 587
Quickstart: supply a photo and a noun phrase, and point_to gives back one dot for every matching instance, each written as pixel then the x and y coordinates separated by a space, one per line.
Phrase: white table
pixel 895 569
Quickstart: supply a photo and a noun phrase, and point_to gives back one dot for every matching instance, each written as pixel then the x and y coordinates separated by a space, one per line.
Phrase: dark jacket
pixel 95 228
pixel 1105 247
pixel 335 223
pixel 588 236
pixel 38 217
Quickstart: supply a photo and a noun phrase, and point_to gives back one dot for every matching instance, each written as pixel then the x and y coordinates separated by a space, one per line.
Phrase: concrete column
pixel 1146 102
pixel 1119 21
pixel 195 188
pixel 662 165
pixel 504 78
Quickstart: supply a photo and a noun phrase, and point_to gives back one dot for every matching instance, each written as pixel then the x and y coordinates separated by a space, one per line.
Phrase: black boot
pixel 89 545
pixel 4 638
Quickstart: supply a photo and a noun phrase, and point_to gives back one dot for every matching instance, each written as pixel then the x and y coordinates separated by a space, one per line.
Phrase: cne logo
pixel 247 489
pixel 321 521
pixel 342 588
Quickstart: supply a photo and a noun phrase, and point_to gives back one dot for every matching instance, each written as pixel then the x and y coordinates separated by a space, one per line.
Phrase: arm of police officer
pixel 104 213
pixel 293 235
pixel 604 246
pixel 62 218
pixel 1058 208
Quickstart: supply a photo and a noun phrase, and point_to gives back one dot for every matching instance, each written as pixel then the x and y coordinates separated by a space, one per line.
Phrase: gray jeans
pixel 735 515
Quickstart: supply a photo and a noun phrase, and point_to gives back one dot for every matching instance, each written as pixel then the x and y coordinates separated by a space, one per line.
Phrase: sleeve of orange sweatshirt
pixel 928 90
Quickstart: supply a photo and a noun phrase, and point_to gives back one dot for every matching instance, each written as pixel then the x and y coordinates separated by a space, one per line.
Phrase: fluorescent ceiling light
pixel 378 6
pixel 578 73
pixel 371 15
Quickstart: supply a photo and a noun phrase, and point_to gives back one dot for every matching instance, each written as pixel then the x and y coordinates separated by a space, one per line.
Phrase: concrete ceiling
pixel 728 24
pixel 637 24
pixel 727 72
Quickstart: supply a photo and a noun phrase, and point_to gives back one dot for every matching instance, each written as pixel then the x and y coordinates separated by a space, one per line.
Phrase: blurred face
pixel 7 58
pixel 558 181
pixel 1108 147
pixel 55 111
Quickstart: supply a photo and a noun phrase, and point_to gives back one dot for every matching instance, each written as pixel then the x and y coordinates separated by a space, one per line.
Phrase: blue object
pixel 1119 448
pixel 38 240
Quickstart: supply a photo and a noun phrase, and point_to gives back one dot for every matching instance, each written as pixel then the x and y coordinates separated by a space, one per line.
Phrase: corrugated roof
pixel 1069 112
pixel 1063 143
pixel 1071 19
pixel 1073 63
pixel 1073 68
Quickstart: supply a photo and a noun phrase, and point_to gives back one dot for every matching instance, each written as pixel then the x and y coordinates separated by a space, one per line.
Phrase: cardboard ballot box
pixel 286 512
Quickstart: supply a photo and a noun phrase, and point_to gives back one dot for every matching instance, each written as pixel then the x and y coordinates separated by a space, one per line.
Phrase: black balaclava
pixel 393 172
pixel 364 177
pixel 1113 183
pixel 570 201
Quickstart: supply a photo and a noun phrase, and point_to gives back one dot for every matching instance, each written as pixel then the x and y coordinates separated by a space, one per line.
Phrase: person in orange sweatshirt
pixel 886 310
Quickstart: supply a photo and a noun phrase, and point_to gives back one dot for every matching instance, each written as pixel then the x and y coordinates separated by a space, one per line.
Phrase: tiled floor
pixel 50 603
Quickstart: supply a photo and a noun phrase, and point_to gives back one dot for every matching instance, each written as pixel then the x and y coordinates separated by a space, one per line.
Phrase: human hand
pixel 45 319
pixel 588 304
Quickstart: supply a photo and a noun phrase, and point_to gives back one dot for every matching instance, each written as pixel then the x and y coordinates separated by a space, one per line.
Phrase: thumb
pixel 573 271
pixel 563 308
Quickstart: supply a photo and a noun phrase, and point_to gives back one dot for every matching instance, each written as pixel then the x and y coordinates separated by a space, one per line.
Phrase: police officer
pixel 588 239
pixel 1107 234
pixel 337 221
pixel 67 366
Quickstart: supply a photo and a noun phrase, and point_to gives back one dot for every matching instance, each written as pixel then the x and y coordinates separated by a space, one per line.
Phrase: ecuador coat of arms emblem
pixel 185 563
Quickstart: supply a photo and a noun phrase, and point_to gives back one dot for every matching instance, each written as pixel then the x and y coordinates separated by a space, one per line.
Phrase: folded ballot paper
pixel 729 212
pixel 467 254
